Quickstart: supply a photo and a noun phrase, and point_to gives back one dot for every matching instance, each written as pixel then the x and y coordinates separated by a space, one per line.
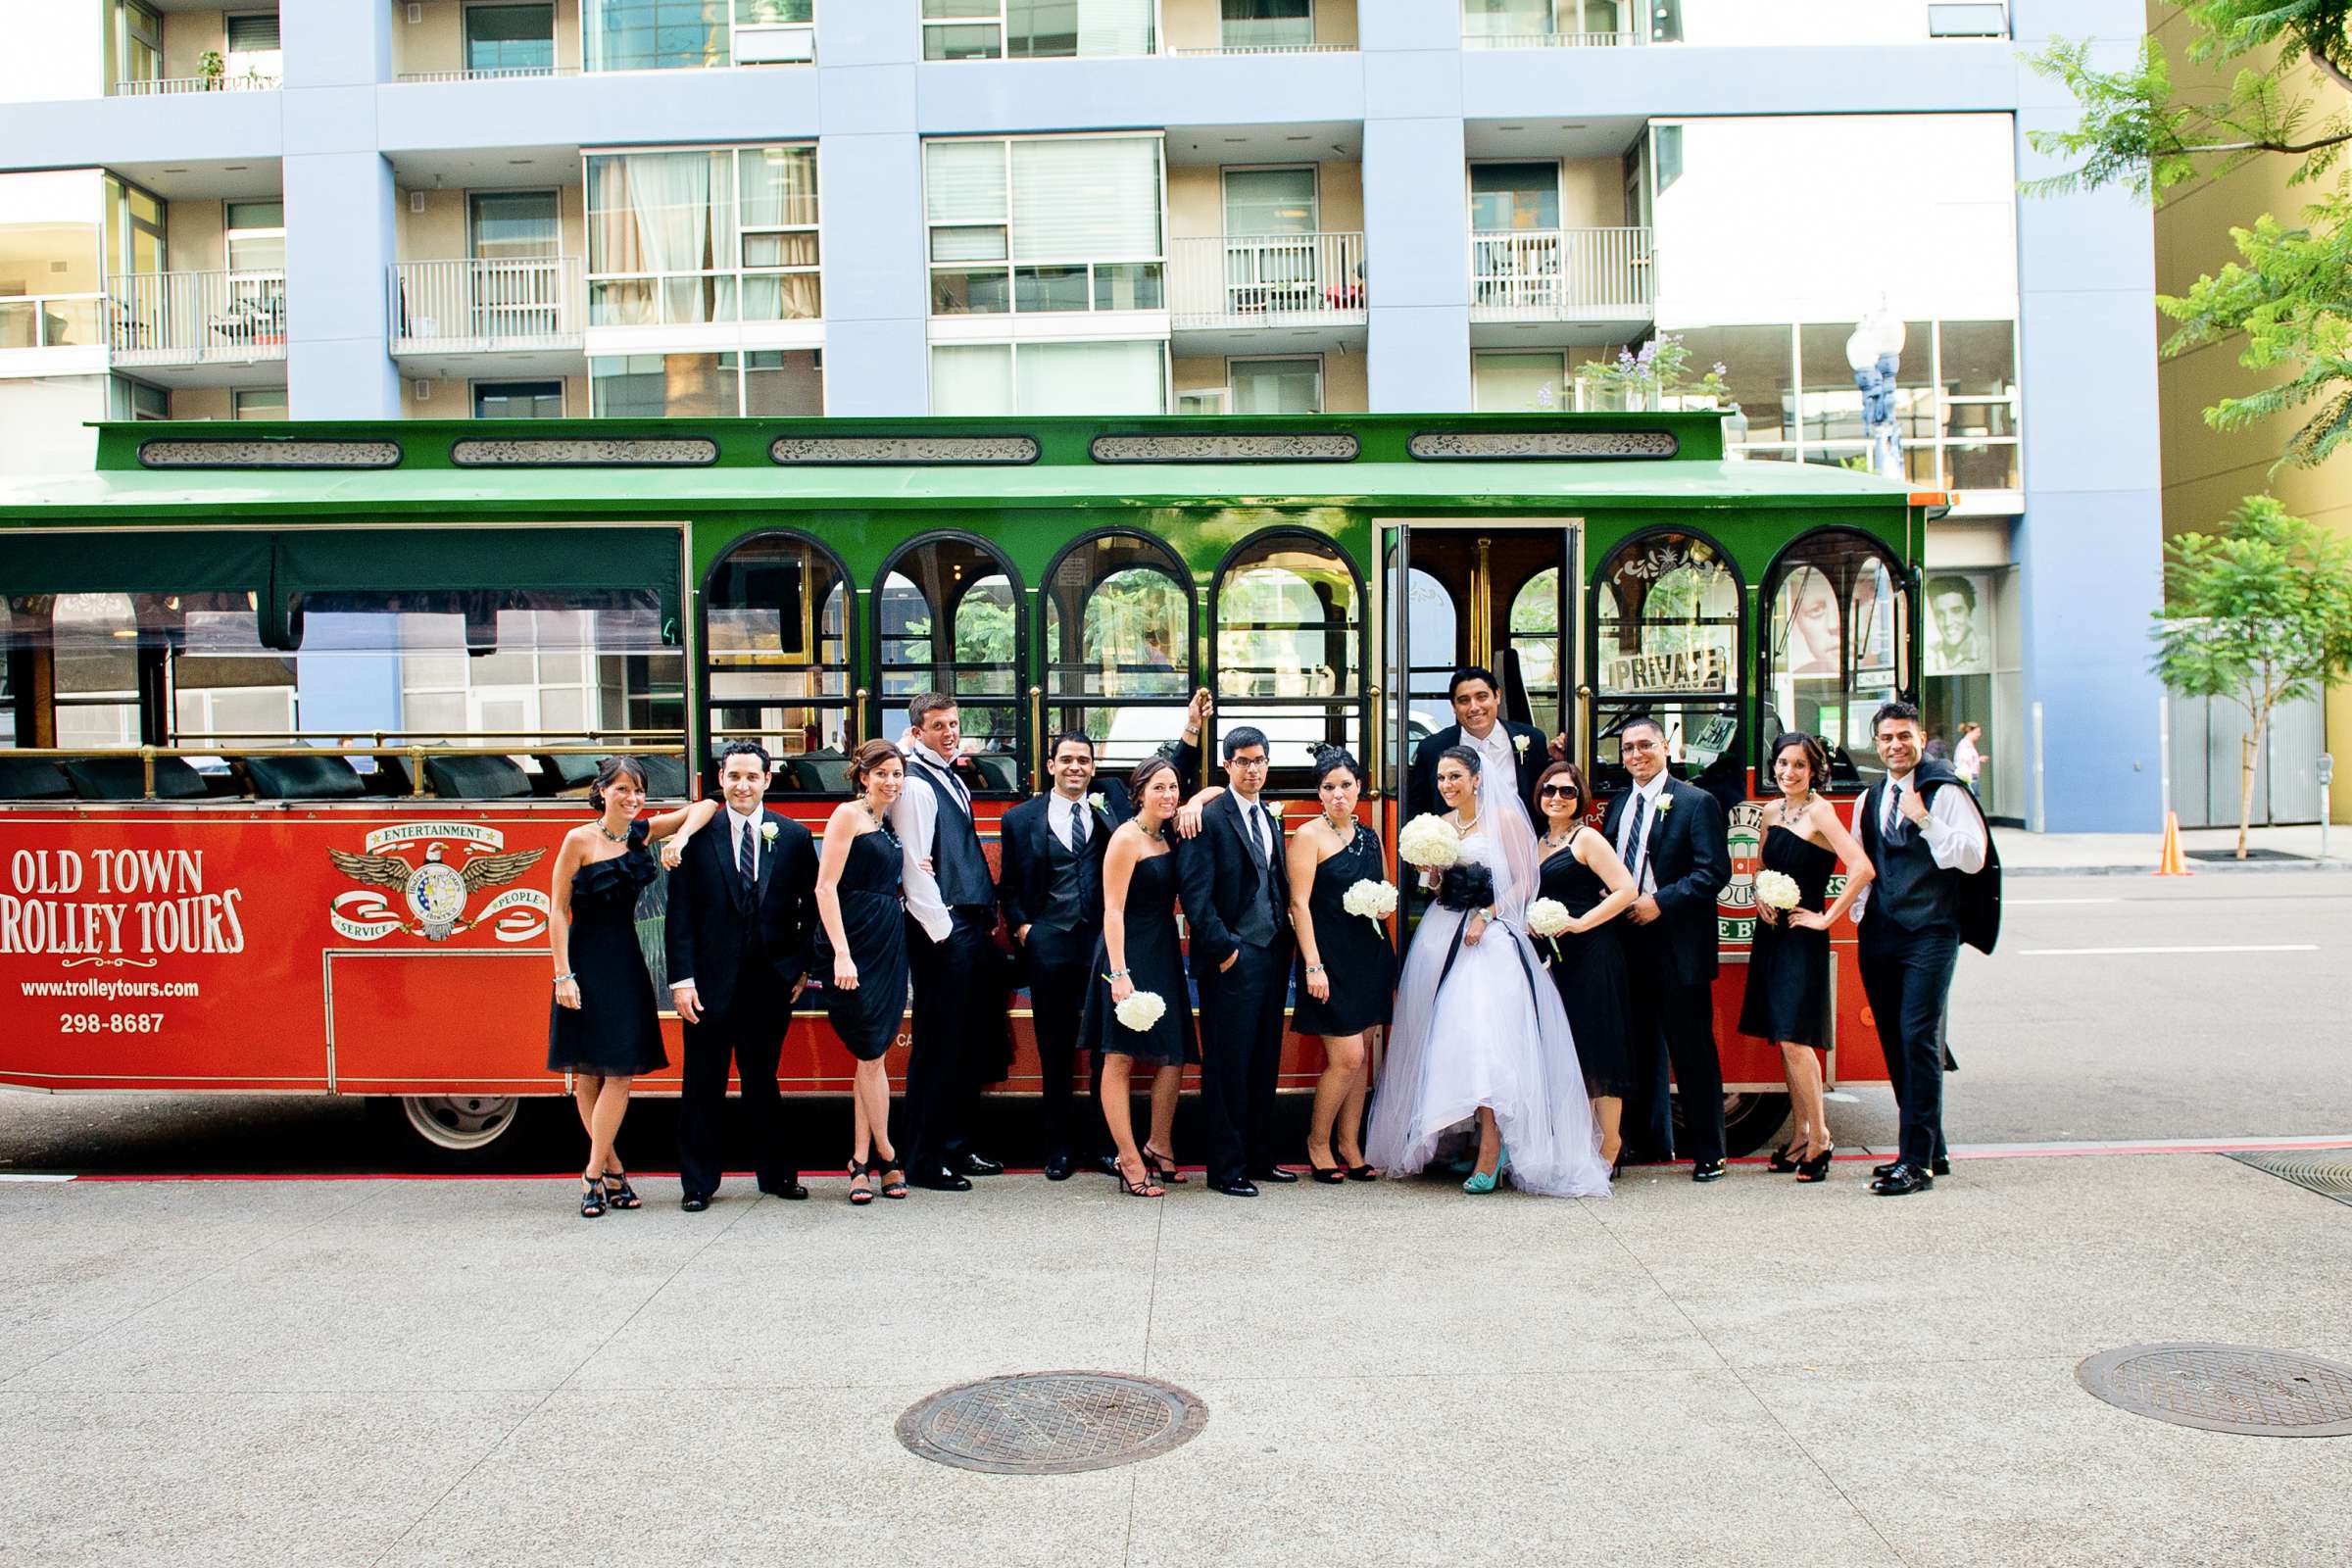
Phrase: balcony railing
pixel 1272 49
pixel 151 86
pixel 1266 281
pixel 483 307
pixel 198 318
pixel 1625 38
pixel 52 322
pixel 1560 274
pixel 502 73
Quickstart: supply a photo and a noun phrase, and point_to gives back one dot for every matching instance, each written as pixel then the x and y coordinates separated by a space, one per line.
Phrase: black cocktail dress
pixel 873 917
pixel 1590 973
pixel 615 1032
pixel 1788 968
pixel 1358 959
pixel 1154 963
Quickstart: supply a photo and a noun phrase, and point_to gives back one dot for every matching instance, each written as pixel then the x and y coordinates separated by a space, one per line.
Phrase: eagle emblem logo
pixel 434 890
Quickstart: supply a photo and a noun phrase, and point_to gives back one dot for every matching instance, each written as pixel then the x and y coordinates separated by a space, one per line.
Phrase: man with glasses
pixel 1673 840
pixel 1237 905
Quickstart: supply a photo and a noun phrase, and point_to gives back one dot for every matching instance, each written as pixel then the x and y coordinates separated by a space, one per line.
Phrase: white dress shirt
pixel 915 819
pixel 1954 832
pixel 1060 809
pixel 1626 852
pixel 738 824
pixel 1497 750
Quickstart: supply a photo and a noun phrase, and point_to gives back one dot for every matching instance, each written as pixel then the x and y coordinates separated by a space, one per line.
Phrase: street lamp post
pixel 1875 352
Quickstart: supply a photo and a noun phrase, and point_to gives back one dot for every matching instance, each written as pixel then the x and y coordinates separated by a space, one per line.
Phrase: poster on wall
pixel 1959 624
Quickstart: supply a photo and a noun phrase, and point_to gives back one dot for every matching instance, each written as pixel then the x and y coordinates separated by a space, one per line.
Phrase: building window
pixel 1118 657
pixel 1518 382
pixel 1035 29
pixel 721 234
pixel 769 383
pixel 136 400
pixel 1835 639
pixel 134 229
pixel 519 400
pixel 1563 21
pixel 258 403
pixel 696 34
pixel 252 48
pixel 138 43
pixel 779 660
pixel 510 40
pixel 1276 386
pixel 1666 645
pixel 947 619
pixel 975 378
pixel 1051 224
pixel 1267 25
pixel 256 236
pixel 1507 197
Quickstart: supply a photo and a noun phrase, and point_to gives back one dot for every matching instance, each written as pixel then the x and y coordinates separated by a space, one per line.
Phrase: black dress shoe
pixel 1940 1165
pixel 1057 1167
pixel 1107 1165
pixel 1901 1181
pixel 1238 1186
pixel 968 1164
pixel 1707 1171
pixel 694 1202
pixel 1274 1173
pixel 791 1191
pixel 942 1180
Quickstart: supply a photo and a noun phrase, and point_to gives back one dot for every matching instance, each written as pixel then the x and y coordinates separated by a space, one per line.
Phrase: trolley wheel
pixel 449 1132
pixel 1748 1119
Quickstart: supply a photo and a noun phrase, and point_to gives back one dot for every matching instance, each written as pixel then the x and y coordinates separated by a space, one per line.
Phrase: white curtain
pixel 971 379
pixel 1088 198
pixel 1091 378
pixel 964 181
pixel 1114 26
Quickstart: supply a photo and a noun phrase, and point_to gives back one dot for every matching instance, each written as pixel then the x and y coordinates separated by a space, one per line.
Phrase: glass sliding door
pixel 510 40
pixel 514 237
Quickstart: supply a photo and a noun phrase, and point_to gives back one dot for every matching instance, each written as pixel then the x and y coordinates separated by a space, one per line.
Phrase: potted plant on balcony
pixel 209 67
pixel 1644 381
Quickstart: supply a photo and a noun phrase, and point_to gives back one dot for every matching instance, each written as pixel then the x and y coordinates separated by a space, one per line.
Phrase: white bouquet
pixel 1777 890
pixel 1141 1011
pixel 1374 901
pixel 1548 920
pixel 1429 843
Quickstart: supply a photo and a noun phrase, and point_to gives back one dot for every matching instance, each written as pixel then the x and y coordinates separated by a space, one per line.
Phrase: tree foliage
pixel 2289 293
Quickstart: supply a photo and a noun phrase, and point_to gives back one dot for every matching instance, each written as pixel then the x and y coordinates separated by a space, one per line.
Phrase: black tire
pixel 451 1132
pixel 1748 1121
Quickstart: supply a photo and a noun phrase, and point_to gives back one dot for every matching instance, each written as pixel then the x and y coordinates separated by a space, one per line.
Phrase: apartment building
pixel 696 208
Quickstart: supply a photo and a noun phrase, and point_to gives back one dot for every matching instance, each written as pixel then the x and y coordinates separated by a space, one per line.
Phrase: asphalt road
pixel 2075 1031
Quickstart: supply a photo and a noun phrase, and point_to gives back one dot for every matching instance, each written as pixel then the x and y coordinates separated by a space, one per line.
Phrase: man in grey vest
pixel 1939 884
pixel 951 915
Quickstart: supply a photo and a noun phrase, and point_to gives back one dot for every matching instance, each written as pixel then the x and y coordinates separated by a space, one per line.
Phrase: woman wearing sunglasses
pixel 1580 870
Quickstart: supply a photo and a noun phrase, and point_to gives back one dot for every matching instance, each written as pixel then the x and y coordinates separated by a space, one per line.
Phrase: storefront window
pixel 1118 646
pixel 1288 618
pixel 946 616
pixel 779 663
pixel 1834 636
pixel 1666 621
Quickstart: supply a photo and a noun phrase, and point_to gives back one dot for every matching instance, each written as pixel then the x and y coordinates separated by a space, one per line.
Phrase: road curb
pixel 2197 868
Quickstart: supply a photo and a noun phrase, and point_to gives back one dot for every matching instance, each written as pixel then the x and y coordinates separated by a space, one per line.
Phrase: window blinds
pixel 1086 199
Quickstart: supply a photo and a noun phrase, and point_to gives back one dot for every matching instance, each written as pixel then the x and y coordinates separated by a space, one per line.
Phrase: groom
pixel 1480 725
pixel 1670 837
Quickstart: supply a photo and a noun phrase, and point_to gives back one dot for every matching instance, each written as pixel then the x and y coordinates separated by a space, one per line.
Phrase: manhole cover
pixel 2326 1171
pixel 2226 1387
pixel 1052 1423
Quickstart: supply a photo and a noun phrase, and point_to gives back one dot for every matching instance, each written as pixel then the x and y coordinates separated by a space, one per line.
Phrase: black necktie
pixel 744 857
pixel 1897 824
pixel 1635 846
pixel 1077 828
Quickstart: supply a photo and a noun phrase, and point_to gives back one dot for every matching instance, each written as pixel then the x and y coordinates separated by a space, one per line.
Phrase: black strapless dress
pixel 1154 962
pixel 1358 959
pixel 1590 973
pixel 615 1032
pixel 873 917
pixel 1789 969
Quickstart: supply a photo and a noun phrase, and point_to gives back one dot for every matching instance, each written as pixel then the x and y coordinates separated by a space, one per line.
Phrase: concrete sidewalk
pixel 464 1372
pixel 2135 854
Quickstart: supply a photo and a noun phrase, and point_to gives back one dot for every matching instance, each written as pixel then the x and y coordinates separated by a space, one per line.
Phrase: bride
pixel 1480 1034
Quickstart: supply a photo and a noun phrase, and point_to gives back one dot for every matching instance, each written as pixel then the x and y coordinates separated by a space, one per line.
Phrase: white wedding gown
pixel 1487 1029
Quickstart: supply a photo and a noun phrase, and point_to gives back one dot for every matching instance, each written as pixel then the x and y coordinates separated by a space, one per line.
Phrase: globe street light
pixel 1875 352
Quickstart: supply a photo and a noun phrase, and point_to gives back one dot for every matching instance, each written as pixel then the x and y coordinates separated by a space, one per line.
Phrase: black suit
pixel 1059 955
pixel 1669 970
pixel 1421 794
pixel 1237 905
pixel 745 946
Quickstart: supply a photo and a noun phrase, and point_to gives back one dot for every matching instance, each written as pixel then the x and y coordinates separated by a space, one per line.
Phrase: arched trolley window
pixel 1666 643
pixel 947 620
pixel 777 657
pixel 1289 614
pixel 1119 646
pixel 1835 646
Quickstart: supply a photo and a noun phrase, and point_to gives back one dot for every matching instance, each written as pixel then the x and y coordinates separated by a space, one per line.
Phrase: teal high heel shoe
pixel 1487 1181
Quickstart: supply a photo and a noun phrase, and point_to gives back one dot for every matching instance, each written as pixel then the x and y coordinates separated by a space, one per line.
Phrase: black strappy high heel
pixel 1142 1189
pixel 618 1194
pixel 592 1197
pixel 890 1177
pixel 859 1196
pixel 1159 1169
pixel 1816 1169
pixel 1780 1161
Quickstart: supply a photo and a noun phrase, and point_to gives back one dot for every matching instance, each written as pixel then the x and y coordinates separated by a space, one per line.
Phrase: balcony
pixel 167 86
pixel 498 74
pixel 1625 38
pixel 1303 285
pixel 1597 279
pixel 176 320
pixel 516 305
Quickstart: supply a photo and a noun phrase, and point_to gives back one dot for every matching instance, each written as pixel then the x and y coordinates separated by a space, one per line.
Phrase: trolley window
pixel 1834 638
pixel 1119 646
pixel 1666 633
pixel 777 657
pixel 1289 616
pixel 944 617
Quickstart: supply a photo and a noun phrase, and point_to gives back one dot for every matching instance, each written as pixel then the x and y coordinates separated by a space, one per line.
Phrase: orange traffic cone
pixel 2168 860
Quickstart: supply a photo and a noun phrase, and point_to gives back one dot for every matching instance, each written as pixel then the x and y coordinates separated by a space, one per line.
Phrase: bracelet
pixel 1314 969
pixel 1118 975
pixel 568 974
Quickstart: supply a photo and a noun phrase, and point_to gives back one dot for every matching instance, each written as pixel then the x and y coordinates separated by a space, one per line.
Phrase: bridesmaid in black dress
pixel 603 1028
pixel 1346 980
pixel 1139 952
pixel 1580 869
pixel 1788 998
pixel 865 943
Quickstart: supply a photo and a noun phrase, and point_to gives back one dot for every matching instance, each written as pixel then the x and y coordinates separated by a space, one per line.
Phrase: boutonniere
pixel 1095 801
pixel 767 834
pixel 1519 744
pixel 1273 808
pixel 1665 801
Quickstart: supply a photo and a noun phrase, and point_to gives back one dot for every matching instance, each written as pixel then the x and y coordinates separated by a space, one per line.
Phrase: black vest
pixel 1069 876
pixel 1261 919
pixel 1913 891
pixel 957 860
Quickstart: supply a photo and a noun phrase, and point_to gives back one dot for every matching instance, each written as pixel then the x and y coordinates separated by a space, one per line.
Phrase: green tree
pixel 2257 612
pixel 2289 293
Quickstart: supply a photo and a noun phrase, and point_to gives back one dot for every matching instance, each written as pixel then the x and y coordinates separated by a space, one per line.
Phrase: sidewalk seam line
pixel 1159 1231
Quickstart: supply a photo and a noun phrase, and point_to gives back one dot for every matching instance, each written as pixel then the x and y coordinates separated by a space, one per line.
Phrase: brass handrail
pixel 431 734
pixel 1037 730
pixel 1376 757
pixel 862 695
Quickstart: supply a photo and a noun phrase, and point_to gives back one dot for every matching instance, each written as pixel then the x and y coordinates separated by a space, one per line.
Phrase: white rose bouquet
pixel 1141 1011
pixel 1374 901
pixel 1548 920
pixel 1777 890
pixel 1428 843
